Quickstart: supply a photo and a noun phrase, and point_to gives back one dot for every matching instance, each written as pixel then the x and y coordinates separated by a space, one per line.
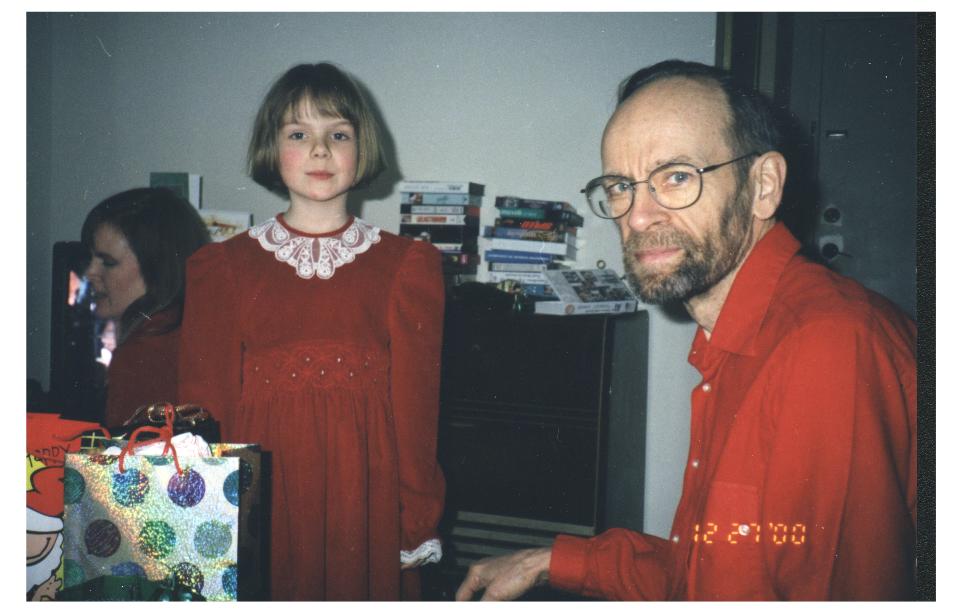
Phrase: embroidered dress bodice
pixel 333 369
pixel 315 254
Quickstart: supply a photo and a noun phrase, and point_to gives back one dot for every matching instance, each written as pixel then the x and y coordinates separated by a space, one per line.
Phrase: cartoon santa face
pixel 44 547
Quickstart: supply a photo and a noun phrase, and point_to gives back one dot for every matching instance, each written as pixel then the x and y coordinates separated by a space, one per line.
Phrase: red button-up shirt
pixel 801 481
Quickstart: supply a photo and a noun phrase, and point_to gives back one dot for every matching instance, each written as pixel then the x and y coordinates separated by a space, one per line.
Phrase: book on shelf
pixel 455 248
pixel 537 278
pixel 434 199
pixel 465 187
pixel 418 219
pixel 501 266
pixel 565 249
pixel 542 225
pixel 439 209
pixel 570 218
pixel 519 257
pixel 519 233
pixel 184 184
pixel 587 292
pixel 440 233
pixel 514 202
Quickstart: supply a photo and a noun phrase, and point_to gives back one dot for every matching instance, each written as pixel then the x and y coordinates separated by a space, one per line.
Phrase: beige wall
pixel 515 101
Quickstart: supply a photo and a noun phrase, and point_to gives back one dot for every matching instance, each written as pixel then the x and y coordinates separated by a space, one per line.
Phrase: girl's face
pixel 114 273
pixel 317 156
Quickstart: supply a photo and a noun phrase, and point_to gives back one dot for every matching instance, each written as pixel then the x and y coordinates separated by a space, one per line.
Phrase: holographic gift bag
pixel 154 517
pixel 252 498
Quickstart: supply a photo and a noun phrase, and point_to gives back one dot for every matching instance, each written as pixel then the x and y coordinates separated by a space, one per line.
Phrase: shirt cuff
pixel 429 551
pixel 567 565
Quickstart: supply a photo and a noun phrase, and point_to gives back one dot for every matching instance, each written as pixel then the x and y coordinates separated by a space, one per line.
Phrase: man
pixel 801 477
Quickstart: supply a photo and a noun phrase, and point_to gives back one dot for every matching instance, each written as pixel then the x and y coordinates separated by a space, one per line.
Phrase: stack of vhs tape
pixel 528 238
pixel 445 213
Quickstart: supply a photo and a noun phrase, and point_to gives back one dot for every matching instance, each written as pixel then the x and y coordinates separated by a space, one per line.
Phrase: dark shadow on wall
pixel 384 183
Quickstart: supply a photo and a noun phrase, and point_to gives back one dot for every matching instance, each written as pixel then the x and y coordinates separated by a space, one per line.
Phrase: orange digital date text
pixel 780 534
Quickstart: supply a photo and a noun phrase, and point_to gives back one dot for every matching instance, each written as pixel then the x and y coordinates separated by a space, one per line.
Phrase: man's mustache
pixel 657 240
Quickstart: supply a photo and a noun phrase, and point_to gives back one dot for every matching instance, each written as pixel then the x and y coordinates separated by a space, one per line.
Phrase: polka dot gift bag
pixel 160 517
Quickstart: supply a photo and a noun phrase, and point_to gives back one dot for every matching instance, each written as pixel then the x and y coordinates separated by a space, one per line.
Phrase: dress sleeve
pixel 415 323
pixel 839 507
pixel 618 564
pixel 209 369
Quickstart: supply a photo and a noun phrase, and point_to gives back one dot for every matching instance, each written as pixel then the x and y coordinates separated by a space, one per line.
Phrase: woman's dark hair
pixel 753 125
pixel 333 94
pixel 163 230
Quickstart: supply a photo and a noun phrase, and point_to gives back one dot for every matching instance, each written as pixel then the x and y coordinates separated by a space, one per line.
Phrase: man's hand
pixel 506 577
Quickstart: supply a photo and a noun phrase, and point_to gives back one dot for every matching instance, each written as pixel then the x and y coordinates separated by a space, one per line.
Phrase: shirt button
pixel 675 539
pixel 695 463
pixel 744 529
pixel 706 387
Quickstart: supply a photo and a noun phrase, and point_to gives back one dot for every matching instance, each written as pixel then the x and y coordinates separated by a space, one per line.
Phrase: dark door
pixel 853 87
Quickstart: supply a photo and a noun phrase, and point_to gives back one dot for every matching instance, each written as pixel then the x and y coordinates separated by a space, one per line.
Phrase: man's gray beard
pixel 704 264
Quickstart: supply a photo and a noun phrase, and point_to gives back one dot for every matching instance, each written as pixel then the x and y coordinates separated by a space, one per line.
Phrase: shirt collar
pixel 749 298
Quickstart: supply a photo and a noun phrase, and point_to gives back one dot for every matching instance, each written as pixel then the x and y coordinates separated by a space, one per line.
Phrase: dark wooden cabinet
pixel 529 434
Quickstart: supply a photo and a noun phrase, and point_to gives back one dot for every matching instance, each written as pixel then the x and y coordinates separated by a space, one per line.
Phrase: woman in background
pixel 140 240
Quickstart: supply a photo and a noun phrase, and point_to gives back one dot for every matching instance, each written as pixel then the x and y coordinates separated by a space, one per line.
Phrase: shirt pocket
pixel 727 560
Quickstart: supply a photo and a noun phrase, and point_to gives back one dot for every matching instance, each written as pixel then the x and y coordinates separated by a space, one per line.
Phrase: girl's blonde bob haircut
pixel 333 94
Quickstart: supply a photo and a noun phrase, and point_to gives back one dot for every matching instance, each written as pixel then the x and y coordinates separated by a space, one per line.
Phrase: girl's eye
pixel 296 136
pixel 341 136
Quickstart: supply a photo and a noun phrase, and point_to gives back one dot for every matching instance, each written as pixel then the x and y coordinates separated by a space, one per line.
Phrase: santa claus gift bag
pixel 49 439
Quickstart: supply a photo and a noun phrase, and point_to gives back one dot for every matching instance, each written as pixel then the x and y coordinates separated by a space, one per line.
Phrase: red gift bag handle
pixel 164 433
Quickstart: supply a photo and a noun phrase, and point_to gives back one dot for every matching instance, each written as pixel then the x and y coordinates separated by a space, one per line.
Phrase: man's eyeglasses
pixel 674 186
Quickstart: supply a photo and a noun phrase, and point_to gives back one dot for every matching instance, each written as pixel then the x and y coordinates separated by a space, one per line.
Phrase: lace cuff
pixel 429 551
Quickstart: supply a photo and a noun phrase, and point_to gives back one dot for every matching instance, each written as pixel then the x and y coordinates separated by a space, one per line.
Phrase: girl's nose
pixel 320 150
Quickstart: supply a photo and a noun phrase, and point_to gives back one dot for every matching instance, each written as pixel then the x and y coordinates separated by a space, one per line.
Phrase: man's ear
pixel 769 172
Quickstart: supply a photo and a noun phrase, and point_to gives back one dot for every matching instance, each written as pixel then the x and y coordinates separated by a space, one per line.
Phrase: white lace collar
pixel 315 255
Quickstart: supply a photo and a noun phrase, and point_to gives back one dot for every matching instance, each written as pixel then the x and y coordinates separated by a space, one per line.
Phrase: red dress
pixel 324 348
pixel 143 370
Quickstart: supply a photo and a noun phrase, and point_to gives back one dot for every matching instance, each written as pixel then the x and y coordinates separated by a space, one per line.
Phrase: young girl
pixel 318 336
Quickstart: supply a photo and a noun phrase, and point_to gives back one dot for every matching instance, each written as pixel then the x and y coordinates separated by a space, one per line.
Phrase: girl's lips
pixel 321 175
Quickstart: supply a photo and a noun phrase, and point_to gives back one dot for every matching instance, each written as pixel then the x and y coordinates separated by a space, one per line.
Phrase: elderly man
pixel 801 476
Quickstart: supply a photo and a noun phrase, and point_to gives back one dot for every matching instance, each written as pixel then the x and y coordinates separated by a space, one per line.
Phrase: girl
pixel 318 336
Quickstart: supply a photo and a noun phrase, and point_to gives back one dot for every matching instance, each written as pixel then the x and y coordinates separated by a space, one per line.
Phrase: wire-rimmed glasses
pixel 675 186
